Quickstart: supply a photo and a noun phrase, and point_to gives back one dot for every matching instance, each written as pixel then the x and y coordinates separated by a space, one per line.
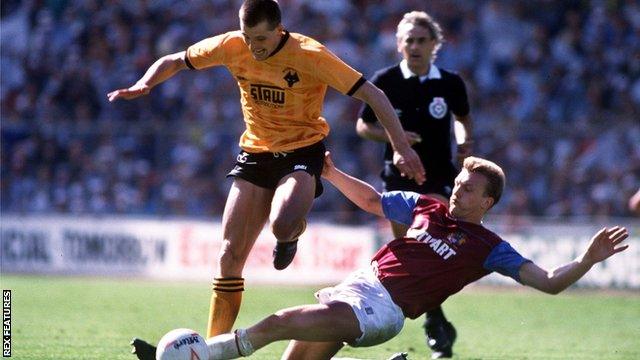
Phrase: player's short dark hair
pixel 494 174
pixel 253 12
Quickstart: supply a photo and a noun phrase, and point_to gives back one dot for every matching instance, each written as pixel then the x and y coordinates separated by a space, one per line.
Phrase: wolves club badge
pixel 291 76
pixel 438 108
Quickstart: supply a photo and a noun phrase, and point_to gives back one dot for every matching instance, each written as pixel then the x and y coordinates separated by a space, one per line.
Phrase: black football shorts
pixel 439 180
pixel 265 169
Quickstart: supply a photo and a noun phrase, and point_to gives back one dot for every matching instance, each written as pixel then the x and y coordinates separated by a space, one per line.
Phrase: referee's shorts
pixel 439 180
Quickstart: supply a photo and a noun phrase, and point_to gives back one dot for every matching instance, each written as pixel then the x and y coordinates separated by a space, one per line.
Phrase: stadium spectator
pixel 428 100
pixel 282 78
pixel 554 99
pixel 406 275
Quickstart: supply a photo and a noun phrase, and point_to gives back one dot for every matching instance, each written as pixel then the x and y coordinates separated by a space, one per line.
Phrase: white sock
pixel 222 347
pixel 244 345
pixel 229 346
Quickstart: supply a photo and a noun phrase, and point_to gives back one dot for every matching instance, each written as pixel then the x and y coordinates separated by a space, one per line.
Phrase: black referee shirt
pixel 424 107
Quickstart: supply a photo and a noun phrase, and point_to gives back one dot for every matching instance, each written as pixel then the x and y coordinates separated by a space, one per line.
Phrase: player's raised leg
pixel 245 214
pixel 291 204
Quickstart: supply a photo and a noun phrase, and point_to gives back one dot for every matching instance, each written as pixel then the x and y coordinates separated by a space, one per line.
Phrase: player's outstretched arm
pixel 604 244
pixel 159 71
pixel 356 190
pixel 404 157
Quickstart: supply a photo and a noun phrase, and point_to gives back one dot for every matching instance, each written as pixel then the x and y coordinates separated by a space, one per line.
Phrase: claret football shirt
pixel 440 254
pixel 281 96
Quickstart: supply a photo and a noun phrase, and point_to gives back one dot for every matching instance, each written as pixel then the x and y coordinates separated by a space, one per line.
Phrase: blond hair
pixel 422 19
pixel 494 174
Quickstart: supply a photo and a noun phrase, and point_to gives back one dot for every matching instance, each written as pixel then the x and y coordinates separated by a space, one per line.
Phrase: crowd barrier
pixel 180 249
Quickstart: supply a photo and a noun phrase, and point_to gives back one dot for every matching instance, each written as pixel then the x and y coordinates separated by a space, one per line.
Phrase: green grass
pixel 88 318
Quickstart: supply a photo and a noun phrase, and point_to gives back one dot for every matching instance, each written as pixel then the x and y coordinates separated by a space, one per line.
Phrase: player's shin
pixel 230 346
pixel 225 304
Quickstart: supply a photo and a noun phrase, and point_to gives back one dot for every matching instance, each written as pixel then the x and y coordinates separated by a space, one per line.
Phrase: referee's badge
pixel 438 108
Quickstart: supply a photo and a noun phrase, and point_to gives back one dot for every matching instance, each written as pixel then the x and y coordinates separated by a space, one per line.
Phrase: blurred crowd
pixel 554 89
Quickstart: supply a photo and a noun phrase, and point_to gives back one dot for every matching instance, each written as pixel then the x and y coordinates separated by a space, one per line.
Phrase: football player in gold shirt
pixel 282 78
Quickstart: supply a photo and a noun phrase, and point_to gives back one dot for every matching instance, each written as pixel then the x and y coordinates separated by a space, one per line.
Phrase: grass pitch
pixel 89 318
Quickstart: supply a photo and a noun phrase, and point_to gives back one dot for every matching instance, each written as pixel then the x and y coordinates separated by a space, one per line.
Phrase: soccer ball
pixel 182 344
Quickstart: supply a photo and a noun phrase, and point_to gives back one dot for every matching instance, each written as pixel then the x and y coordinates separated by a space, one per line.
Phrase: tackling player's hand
pixel 132 92
pixel 605 243
pixel 409 164
pixel 328 166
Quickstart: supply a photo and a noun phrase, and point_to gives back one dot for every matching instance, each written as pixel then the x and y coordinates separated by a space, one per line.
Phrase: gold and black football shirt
pixel 281 96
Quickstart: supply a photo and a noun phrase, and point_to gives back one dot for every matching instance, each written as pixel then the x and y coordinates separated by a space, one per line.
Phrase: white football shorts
pixel 379 317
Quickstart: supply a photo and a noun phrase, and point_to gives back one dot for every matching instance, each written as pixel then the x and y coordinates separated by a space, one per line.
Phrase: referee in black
pixel 431 103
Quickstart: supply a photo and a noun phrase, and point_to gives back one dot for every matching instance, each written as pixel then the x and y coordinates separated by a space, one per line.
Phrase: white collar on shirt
pixel 434 72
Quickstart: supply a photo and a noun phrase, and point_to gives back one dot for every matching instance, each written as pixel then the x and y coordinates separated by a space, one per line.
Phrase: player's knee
pixel 284 229
pixel 278 324
pixel 283 319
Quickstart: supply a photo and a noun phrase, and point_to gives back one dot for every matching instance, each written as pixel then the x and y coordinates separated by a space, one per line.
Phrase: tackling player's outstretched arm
pixel 603 244
pixel 161 70
pixel 358 191
pixel 405 158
